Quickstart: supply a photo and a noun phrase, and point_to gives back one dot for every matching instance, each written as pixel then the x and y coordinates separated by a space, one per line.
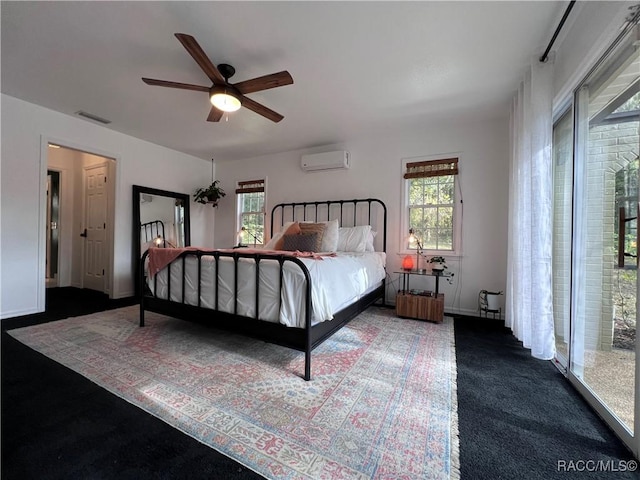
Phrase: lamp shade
pixel 407 262
pixel 224 98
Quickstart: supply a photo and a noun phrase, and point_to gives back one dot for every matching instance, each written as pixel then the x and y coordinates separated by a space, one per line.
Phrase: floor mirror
pixel 160 219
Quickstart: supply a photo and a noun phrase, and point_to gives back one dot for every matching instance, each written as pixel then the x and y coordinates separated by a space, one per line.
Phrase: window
pixel 431 204
pixel 562 224
pixel 604 282
pixel 251 212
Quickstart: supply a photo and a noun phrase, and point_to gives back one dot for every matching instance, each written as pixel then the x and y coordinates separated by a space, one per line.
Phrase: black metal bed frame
pixel 148 229
pixel 302 339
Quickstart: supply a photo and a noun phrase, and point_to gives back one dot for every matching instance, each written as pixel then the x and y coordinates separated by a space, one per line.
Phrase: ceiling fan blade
pixel 264 83
pixel 261 109
pixel 184 86
pixel 201 58
pixel 214 115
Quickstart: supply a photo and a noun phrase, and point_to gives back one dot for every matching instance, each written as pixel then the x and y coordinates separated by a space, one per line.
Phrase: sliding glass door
pixel 562 224
pixel 604 287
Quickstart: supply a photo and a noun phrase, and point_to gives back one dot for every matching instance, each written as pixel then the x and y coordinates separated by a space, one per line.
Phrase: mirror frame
pixel 137 192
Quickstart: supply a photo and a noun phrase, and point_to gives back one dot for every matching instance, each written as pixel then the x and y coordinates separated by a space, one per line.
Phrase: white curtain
pixel 529 305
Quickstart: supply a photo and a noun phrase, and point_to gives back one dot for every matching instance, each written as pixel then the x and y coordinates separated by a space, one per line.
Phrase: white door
pixel 95 228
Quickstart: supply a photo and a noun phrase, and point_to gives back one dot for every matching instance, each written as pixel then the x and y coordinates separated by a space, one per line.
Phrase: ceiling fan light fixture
pixel 224 99
pixel 224 96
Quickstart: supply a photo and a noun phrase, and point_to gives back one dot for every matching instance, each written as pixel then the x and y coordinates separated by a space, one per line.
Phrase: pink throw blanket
pixel 161 257
pixel 288 253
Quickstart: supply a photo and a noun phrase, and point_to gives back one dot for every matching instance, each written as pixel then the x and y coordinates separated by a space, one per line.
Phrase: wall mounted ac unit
pixel 326 161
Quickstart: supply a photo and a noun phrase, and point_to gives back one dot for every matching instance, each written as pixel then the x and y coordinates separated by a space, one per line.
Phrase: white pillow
pixel 353 239
pixel 270 245
pixel 330 235
pixel 369 247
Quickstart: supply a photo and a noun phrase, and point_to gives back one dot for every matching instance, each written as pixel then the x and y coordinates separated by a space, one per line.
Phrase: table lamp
pixel 413 240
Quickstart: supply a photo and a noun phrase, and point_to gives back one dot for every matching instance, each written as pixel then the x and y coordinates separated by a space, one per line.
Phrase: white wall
pixel 25 129
pixel 377 172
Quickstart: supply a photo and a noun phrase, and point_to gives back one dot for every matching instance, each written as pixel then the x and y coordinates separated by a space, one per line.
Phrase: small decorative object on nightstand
pixel 438 264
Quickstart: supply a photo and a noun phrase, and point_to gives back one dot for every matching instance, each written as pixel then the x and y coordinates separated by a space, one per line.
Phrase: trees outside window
pixel 431 211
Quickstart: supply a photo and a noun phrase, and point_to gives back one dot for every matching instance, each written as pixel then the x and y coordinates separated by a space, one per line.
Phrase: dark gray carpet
pixel 56 424
pixel 517 416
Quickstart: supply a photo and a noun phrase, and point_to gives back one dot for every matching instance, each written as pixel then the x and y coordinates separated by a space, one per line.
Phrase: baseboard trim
pixel 120 295
pixel 469 313
pixel 19 313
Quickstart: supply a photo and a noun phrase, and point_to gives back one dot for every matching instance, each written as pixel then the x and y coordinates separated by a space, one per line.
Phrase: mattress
pixel 336 283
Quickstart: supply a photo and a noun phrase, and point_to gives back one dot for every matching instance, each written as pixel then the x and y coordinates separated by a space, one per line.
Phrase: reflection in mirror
pixel 161 219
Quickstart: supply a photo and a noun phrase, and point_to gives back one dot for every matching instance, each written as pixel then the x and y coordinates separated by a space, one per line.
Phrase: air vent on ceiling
pixel 93 117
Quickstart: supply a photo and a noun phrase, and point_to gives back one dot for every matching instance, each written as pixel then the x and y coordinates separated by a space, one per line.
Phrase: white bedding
pixel 336 282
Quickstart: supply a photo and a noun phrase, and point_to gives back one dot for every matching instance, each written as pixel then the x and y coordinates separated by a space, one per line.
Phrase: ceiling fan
pixel 224 96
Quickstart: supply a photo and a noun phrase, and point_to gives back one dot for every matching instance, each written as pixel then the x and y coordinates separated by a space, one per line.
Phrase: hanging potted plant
pixel 438 264
pixel 211 194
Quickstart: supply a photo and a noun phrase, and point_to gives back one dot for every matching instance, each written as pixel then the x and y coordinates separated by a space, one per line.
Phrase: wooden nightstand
pixel 421 307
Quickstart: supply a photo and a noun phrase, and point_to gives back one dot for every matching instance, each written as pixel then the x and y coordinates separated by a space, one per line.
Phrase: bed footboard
pixel 296 338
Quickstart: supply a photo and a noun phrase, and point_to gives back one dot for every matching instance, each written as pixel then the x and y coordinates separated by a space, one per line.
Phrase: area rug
pixel 381 404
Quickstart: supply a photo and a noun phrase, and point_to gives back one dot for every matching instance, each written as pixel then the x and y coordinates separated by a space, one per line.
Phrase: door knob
pixel 84 234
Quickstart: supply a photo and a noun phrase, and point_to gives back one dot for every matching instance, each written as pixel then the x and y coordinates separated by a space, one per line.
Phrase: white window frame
pixel 240 214
pixel 457 209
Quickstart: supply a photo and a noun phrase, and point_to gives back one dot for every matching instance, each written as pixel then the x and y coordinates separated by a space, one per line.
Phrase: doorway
pixel 84 227
pixel 53 210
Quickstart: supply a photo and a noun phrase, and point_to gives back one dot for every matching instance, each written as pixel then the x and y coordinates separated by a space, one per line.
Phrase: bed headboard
pixel 151 230
pixel 349 213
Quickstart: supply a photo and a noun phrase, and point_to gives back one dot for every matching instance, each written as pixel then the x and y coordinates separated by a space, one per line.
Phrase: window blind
pixel 432 168
pixel 250 186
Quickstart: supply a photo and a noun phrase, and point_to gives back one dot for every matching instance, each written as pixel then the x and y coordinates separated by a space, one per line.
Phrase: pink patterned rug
pixel 382 402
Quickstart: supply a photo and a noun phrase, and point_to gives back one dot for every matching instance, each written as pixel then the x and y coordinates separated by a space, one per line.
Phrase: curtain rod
pixel 543 58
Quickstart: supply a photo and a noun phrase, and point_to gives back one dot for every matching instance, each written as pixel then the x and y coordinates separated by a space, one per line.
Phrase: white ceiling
pixel 358 67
